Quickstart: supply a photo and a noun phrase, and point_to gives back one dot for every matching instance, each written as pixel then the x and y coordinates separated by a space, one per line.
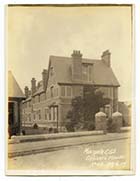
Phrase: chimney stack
pixel 106 56
pixel 33 85
pixel 76 65
pixel 44 78
pixel 26 90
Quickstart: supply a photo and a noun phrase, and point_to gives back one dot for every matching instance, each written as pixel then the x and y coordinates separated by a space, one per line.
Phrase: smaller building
pixel 15 97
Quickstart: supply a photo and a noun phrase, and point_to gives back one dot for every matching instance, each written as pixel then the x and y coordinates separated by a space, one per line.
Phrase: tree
pixel 75 116
pixel 84 108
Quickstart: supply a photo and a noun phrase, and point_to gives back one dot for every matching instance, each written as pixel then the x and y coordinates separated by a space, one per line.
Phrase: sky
pixel 35 33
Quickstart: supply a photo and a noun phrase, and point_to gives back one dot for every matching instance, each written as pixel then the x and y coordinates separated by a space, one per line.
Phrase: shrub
pixel 69 126
pixel 50 130
pixel 55 130
pixel 35 126
pixel 23 132
pixel 91 126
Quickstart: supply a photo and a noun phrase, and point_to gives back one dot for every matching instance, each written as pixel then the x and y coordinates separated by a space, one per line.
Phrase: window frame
pixel 39 114
pixel 63 86
pixel 70 88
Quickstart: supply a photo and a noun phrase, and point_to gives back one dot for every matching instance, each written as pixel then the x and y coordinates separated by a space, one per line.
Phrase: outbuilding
pixel 15 97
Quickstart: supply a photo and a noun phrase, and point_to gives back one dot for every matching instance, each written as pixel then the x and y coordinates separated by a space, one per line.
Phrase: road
pixel 20 149
pixel 97 155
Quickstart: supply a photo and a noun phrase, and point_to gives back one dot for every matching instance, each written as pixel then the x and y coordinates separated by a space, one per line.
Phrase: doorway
pixel 12 124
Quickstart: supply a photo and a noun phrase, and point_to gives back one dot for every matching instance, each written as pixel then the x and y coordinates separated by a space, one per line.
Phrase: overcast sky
pixel 35 33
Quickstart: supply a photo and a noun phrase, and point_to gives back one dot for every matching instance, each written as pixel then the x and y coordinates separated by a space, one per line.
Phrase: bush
pixel 50 130
pixel 91 126
pixel 35 126
pixel 55 130
pixel 23 132
pixel 69 126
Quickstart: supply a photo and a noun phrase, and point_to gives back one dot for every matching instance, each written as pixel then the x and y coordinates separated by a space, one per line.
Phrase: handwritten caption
pixel 104 158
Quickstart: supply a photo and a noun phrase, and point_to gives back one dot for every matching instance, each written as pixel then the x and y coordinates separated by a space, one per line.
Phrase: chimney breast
pixel 26 90
pixel 106 57
pixel 76 65
pixel 44 78
pixel 33 85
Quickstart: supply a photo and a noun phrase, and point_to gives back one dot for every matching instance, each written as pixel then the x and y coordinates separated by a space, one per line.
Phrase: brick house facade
pixel 48 102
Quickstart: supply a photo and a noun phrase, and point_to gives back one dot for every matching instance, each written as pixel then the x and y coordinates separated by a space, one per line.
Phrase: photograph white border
pixel 136 107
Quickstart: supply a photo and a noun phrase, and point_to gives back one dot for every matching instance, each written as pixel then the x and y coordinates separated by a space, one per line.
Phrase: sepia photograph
pixel 70 92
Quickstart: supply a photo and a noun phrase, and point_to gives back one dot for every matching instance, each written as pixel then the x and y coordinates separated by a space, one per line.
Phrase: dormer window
pixel 87 72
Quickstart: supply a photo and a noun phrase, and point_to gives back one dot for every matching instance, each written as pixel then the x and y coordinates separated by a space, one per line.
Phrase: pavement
pixel 28 148
pixel 43 137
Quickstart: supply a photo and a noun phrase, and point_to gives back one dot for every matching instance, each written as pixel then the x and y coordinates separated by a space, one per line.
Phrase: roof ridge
pixel 65 57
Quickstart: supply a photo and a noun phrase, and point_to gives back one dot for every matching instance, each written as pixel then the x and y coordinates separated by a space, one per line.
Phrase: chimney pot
pixel 76 54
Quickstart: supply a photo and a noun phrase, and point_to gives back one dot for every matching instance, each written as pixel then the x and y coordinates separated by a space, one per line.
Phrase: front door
pixel 12 126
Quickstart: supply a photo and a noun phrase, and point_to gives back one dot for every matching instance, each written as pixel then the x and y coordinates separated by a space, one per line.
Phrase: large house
pixel 49 100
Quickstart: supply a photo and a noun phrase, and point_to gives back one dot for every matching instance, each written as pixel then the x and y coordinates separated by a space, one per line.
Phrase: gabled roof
pixel 102 74
pixel 13 88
